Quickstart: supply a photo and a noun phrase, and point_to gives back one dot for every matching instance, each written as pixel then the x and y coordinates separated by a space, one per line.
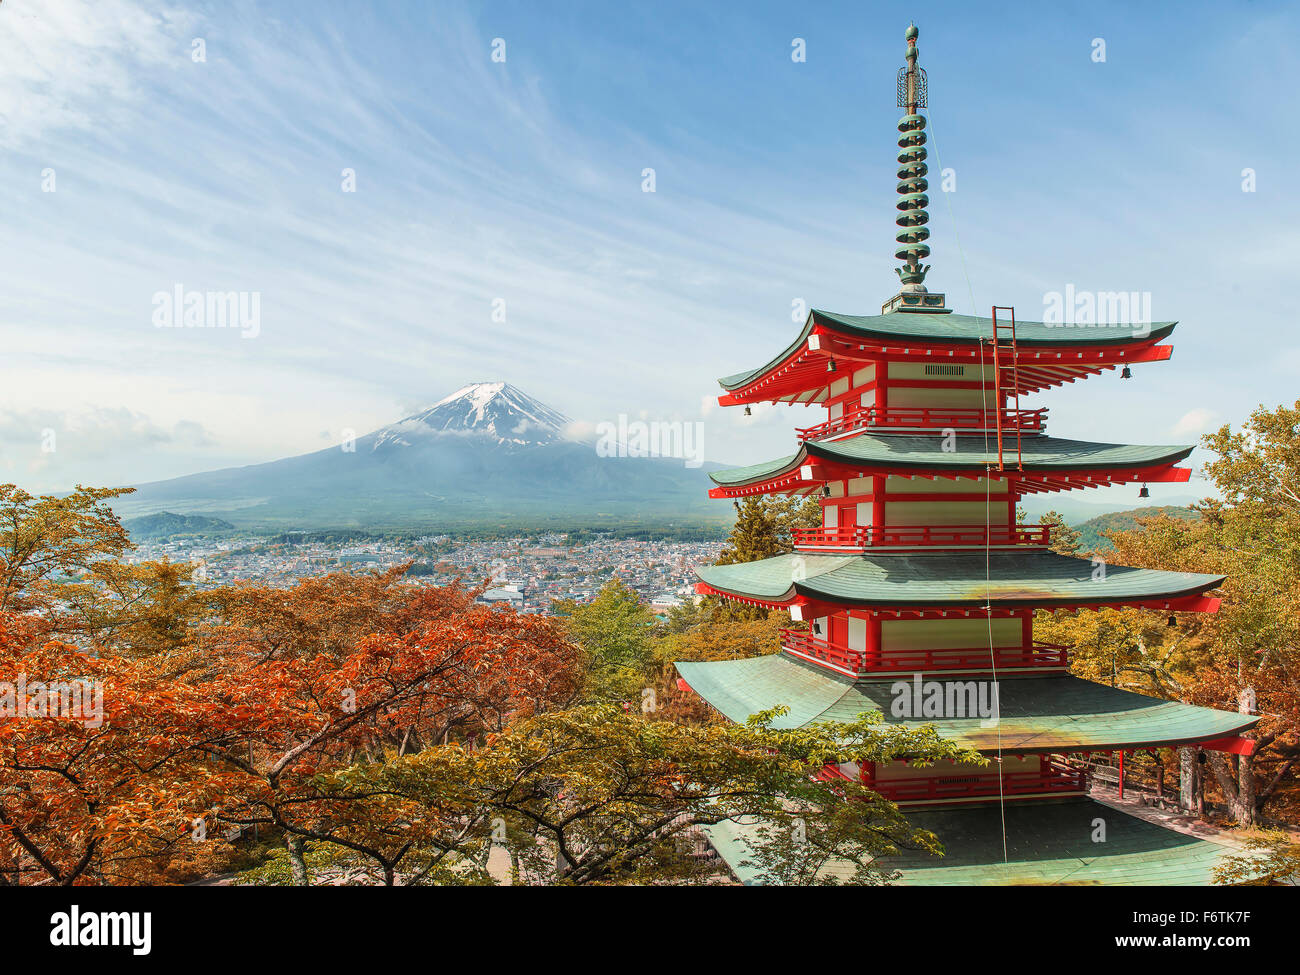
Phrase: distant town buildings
pixel 526 573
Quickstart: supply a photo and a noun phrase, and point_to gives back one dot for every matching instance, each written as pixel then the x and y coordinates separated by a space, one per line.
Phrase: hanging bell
pixel 1173 621
pixel 830 365
pixel 1126 374
pixel 748 411
pixel 826 490
pixel 1144 493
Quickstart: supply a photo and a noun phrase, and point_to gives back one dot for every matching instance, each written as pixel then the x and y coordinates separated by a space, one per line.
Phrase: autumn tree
pixel 1269 858
pixel 136 609
pixel 324 615
pixel 297 718
pixel 103 762
pixel 710 640
pixel 240 729
pixel 1251 535
pixel 47 541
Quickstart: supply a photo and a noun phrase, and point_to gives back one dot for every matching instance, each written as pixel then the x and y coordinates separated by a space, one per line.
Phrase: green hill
pixel 166 523
pixel 1091 538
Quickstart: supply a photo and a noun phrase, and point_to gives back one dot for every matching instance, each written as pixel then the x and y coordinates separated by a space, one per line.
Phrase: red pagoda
pixel 920 572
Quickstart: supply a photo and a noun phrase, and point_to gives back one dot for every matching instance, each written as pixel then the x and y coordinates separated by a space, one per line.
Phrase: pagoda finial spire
pixel 912 201
pixel 912 184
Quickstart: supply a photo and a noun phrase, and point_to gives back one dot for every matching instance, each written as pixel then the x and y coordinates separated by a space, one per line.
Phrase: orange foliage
pixel 290 684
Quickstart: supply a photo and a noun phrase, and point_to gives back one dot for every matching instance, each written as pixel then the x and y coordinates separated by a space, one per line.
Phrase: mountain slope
pixel 487 454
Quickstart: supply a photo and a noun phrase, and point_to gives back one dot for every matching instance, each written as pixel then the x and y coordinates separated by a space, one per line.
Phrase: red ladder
pixel 1006 395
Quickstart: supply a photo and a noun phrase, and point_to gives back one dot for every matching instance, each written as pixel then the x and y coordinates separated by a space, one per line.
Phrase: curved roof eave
pixel 1048 713
pixel 880 451
pixel 961 330
pixel 960 579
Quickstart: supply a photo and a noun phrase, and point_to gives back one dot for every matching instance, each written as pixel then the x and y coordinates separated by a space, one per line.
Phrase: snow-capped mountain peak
pixel 494 411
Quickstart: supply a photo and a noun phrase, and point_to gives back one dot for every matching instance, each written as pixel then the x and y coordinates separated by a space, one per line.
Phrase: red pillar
pixel 878 502
pixel 872 653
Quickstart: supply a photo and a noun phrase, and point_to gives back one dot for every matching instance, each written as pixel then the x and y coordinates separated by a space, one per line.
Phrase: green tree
pixel 686 617
pixel 764 528
pixel 1064 540
pixel 764 525
pixel 596 795
pixel 615 631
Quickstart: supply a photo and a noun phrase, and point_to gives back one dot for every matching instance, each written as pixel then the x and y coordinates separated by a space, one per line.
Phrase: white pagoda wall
pixel 950 634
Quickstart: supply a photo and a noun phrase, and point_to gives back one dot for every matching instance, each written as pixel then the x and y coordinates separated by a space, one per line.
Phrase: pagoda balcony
pixel 859 537
pixel 955 788
pixel 926 418
pixel 961 660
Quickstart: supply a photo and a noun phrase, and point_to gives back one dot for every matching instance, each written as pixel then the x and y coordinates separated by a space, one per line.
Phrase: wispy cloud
pixel 516 188
pixel 54 444
pixel 75 64
pixel 1195 422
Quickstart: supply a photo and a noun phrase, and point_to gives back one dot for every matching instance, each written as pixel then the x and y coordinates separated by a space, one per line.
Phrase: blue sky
pixel 521 182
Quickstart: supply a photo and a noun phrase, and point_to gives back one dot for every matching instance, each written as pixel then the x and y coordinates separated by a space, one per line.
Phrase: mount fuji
pixel 494 412
pixel 488 454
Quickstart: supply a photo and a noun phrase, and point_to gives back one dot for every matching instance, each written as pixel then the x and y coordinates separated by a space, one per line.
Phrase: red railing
pixel 956 659
pixel 862 536
pixel 1055 778
pixel 970 658
pixel 804 642
pixel 926 418
pixel 851 420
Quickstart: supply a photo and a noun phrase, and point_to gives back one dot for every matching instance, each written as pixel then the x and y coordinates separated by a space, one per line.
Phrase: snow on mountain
pixel 497 412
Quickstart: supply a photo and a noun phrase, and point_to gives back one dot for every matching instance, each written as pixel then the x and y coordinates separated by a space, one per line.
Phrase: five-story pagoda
pixel 920 572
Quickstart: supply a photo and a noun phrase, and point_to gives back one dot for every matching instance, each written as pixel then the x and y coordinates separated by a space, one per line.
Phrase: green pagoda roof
pixel 1037 714
pixel 958 330
pixel 951 578
pixel 1038 453
pixel 1048 843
